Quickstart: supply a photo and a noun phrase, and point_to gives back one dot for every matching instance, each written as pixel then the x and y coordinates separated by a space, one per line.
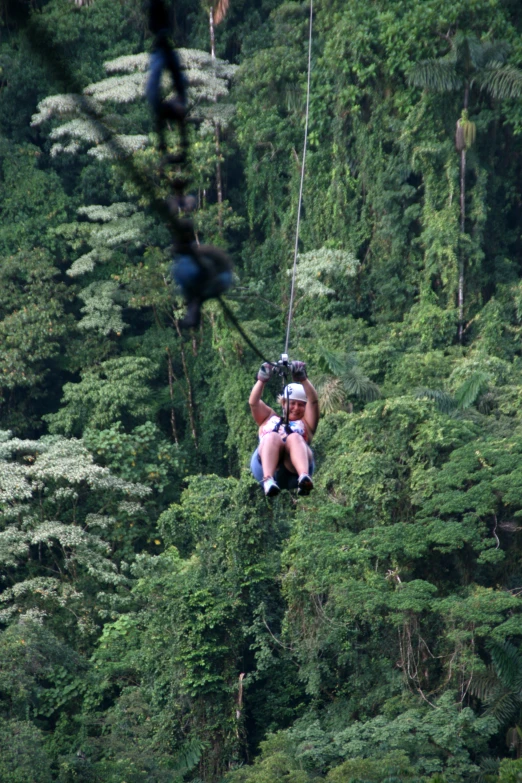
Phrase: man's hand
pixel 265 372
pixel 298 370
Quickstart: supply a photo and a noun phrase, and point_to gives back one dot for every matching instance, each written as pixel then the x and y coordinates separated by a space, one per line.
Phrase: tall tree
pixel 469 63
pixel 217 10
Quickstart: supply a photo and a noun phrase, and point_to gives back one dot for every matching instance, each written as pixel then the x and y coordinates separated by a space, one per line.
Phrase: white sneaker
pixel 271 487
pixel 304 484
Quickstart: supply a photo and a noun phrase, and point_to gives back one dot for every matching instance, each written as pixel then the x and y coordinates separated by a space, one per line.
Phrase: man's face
pixel 296 410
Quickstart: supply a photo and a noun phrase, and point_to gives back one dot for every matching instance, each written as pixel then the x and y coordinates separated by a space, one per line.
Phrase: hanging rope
pixel 292 290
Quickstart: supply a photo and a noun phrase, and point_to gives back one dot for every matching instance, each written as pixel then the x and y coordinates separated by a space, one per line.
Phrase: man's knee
pixel 293 440
pixel 270 440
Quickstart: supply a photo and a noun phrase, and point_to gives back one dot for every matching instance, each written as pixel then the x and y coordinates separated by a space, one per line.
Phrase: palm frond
pixel 220 10
pixel 486 403
pixel 188 756
pixel 504 707
pixel 469 52
pixel 507 661
pixel 294 98
pixel 485 685
pixel 488 770
pixel 501 81
pixel 349 378
pixel 359 385
pixel 494 52
pixel 471 389
pixel 437 75
pixel 335 362
pixel 444 402
pixel 331 395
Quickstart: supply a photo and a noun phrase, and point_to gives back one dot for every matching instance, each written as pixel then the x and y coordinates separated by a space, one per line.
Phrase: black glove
pixel 298 370
pixel 265 372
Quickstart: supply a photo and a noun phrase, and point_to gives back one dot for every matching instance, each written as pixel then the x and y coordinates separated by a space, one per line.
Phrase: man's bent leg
pixel 270 450
pixel 298 454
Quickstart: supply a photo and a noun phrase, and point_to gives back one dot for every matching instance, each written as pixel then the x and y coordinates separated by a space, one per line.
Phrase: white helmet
pixel 295 391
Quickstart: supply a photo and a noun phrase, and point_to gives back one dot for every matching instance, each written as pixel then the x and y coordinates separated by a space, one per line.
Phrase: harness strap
pixel 286 426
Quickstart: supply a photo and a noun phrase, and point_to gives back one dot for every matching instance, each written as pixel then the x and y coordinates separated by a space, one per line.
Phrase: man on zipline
pixel 284 459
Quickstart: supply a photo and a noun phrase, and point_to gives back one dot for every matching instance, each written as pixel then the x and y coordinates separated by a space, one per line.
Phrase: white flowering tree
pixel 60 514
pixel 93 123
pixel 120 252
pixel 319 272
pixel 89 121
pixel 106 233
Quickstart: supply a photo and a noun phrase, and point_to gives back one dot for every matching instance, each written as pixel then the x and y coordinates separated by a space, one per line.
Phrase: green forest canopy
pixel 161 620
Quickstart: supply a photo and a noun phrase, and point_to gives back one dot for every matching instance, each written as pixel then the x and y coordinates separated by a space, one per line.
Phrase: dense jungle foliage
pixel 162 621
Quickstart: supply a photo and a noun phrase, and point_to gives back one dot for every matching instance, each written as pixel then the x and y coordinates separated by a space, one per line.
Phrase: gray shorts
pixel 284 478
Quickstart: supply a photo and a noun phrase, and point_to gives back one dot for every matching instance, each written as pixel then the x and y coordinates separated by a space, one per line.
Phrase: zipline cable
pixel 60 70
pixel 292 290
pixel 36 34
pixel 227 312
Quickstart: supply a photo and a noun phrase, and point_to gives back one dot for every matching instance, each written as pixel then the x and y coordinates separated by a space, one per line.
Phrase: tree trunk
pixel 219 179
pixel 171 392
pixel 219 182
pixel 190 398
pixel 462 228
pixel 212 36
